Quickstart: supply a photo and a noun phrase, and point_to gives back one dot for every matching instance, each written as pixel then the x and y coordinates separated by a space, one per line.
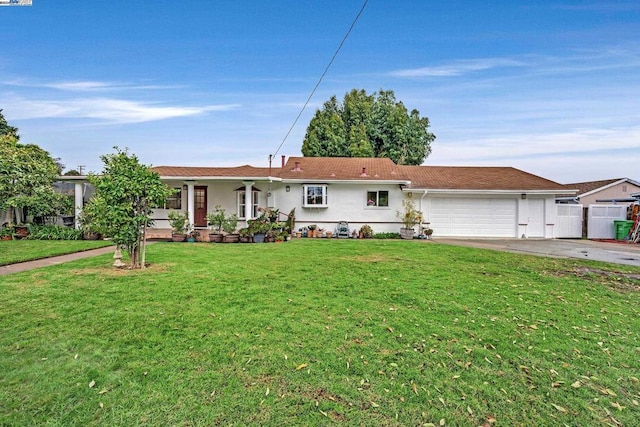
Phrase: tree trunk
pixel 144 246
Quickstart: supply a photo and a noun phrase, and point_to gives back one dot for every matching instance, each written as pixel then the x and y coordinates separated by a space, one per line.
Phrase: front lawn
pixel 316 332
pixel 13 251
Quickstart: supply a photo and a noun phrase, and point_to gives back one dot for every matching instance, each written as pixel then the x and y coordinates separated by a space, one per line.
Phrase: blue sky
pixel 550 87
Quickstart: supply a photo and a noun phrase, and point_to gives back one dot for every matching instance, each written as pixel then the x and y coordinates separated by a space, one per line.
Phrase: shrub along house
pixel 455 201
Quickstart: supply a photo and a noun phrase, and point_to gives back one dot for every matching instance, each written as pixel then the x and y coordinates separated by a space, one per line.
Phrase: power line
pixel 344 39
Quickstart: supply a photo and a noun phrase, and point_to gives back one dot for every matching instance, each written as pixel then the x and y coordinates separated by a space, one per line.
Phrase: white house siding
pixel 460 215
pixel 346 202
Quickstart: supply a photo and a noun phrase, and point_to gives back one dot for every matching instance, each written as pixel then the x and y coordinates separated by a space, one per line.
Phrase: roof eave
pixel 345 181
pixel 477 191
pixel 218 178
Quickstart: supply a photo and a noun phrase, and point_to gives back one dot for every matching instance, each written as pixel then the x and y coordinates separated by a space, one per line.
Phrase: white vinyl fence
pixel 568 222
pixel 601 219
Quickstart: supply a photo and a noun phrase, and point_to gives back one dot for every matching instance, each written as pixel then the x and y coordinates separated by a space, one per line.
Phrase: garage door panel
pixel 462 217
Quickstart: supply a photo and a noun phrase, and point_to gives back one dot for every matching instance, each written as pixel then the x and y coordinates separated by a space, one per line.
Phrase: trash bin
pixel 623 228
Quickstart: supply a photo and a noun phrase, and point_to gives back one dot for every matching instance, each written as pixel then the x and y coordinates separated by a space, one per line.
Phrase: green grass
pixel 311 332
pixel 13 251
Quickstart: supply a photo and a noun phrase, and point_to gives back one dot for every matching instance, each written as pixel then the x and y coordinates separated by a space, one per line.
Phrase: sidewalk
pixel 30 265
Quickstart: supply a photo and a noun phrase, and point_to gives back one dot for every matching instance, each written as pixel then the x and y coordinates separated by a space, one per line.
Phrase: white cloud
pixel 86 85
pixel 457 67
pixel 108 109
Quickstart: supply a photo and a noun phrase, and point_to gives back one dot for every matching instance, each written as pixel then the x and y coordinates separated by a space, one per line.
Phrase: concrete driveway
pixel 617 253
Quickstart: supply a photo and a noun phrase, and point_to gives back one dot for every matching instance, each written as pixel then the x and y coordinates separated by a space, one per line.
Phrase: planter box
pixel 258 238
pixel 89 235
pixel 407 233
pixel 178 237
pixel 21 231
pixel 215 237
pixel 231 238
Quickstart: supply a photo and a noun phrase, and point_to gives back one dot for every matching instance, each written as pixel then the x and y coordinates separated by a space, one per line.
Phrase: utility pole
pixel 80 167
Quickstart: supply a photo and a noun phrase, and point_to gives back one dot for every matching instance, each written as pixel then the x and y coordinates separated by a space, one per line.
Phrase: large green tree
pixel 121 207
pixel 27 173
pixel 6 129
pixel 366 125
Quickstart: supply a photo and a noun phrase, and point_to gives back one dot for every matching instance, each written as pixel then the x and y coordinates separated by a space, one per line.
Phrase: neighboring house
pixel 456 201
pixel 618 190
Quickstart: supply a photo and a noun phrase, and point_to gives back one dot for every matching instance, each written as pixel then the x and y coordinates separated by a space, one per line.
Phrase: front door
pixel 200 206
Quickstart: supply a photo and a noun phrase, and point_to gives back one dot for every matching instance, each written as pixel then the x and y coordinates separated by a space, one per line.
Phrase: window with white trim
pixel 314 196
pixel 242 201
pixel 378 199
pixel 174 201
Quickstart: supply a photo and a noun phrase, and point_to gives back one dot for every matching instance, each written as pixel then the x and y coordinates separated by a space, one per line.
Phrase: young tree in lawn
pixel 368 126
pixel 125 193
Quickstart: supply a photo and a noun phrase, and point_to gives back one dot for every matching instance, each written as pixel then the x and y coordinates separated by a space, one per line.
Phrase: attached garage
pixel 473 217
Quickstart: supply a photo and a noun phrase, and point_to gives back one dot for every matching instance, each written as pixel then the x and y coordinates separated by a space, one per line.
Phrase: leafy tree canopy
pixel 5 129
pixel 369 126
pixel 121 206
pixel 27 173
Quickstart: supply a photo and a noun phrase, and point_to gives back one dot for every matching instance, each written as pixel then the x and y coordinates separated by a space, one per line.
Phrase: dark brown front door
pixel 200 206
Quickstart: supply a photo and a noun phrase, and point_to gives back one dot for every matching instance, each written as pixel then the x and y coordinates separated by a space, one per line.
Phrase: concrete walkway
pixel 616 253
pixel 30 265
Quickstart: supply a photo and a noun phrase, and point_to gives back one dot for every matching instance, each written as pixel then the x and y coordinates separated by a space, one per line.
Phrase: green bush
pixel 386 236
pixel 53 232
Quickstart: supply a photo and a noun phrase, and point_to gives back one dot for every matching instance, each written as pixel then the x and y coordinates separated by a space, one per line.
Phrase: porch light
pixel 287 188
pixel 523 196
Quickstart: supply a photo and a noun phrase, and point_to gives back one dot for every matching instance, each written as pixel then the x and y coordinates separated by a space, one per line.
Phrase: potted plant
pixel 88 226
pixel 216 220
pixel 258 228
pixel 6 233
pixel 366 232
pixel 312 230
pixel 192 235
pixel 244 235
pixel 21 231
pixel 229 227
pixel 409 217
pixel 179 225
pixel 428 232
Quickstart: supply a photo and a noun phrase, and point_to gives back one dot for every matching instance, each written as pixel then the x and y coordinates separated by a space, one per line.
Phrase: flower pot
pixel 90 235
pixel 329 234
pixel 407 233
pixel 215 237
pixel 231 238
pixel 298 234
pixel 178 237
pixel 311 233
pixel 21 231
pixel 6 237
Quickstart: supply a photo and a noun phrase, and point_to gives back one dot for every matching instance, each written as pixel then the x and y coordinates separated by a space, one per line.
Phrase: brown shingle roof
pixel 245 171
pixel 477 178
pixel 378 169
pixel 342 168
pixel 585 187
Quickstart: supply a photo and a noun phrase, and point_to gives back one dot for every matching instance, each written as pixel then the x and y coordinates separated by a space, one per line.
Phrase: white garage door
pixel 473 217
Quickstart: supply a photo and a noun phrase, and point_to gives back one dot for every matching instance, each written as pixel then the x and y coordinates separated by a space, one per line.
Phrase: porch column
pixel 78 202
pixel 191 202
pixel 248 200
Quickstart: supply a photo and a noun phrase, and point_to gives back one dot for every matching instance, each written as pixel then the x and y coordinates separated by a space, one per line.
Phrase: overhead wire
pixel 324 73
